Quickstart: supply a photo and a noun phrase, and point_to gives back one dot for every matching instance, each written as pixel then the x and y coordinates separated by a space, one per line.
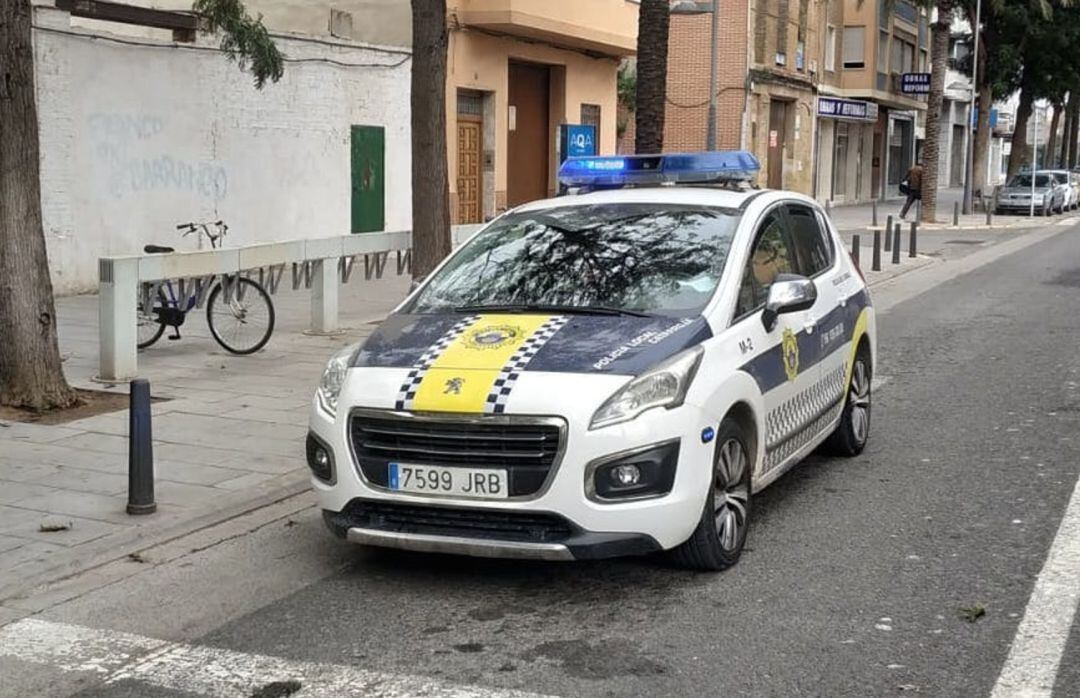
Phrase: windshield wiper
pixel 549 308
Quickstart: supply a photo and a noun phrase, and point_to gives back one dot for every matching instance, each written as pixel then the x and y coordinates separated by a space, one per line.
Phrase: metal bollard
pixel 956 214
pixel 140 451
pixel 873 208
pixel 896 245
pixel 989 214
pixel 876 265
pixel 911 238
pixel 855 247
pixel 888 232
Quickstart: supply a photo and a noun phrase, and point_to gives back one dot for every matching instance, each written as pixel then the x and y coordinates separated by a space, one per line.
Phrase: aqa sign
pixel 578 140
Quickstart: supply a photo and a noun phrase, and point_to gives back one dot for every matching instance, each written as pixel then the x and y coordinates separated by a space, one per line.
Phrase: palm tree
pixel 939 55
pixel 652 48
pixel 31 373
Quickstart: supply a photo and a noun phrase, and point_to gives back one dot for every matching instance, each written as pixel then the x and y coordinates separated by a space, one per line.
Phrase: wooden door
pixel 469 179
pixel 528 142
pixel 777 131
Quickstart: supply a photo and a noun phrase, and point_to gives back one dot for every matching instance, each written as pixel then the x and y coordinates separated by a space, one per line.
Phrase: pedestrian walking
pixel 911 186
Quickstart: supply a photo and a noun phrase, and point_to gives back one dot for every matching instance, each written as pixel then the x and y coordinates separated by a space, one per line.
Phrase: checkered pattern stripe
pixel 796 418
pixel 508 375
pixel 420 368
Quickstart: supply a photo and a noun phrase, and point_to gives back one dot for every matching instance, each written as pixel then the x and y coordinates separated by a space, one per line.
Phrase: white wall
pixel 138 138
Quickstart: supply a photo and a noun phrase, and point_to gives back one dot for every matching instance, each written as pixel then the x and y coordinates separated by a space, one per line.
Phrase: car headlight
pixel 333 378
pixel 662 386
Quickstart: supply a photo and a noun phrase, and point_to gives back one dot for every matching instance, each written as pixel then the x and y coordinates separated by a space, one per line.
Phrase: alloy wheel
pixel 731 494
pixel 859 401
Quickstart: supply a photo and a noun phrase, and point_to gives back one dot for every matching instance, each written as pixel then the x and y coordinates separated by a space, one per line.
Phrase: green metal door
pixel 368 179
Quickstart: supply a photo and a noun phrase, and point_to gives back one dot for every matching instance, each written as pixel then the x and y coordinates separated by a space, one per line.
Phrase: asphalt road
pixel 862 576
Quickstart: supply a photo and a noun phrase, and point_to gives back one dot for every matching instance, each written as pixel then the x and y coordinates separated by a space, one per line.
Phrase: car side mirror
pixel 790 293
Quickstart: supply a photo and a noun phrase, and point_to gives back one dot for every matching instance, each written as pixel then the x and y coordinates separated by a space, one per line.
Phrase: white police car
pixel 609 373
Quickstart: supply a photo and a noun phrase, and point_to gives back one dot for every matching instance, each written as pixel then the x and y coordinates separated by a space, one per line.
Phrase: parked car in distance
pixel 1016 195
pixel 1071 183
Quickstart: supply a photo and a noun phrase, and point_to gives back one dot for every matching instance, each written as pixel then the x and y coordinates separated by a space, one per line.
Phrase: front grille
pixel 486 524
pixel 527 448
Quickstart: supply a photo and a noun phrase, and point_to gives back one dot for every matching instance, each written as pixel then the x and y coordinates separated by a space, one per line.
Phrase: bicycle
pixel 242 302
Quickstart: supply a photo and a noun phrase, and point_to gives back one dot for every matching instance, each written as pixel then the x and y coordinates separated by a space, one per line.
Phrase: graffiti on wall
pixel 134 152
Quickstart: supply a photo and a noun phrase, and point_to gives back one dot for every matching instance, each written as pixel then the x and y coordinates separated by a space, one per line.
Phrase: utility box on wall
pixel 368 179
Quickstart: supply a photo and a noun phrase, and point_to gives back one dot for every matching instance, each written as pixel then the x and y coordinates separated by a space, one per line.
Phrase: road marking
pixel 1035 654
pixel 209 671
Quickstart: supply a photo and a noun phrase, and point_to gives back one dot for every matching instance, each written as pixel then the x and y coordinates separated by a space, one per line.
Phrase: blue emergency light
pixel 607 171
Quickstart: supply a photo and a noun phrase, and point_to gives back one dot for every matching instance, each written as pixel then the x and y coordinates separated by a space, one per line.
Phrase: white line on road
pixel 1032 664
pixel 208 671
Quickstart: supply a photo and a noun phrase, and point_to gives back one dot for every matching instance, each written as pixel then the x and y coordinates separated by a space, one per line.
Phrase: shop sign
pixel 853 110
pixel 915 83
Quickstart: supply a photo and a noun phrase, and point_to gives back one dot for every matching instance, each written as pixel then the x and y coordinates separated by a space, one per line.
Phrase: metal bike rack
pixel 319 264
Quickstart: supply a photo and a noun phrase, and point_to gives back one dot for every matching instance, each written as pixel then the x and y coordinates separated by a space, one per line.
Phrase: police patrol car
pixel 609 373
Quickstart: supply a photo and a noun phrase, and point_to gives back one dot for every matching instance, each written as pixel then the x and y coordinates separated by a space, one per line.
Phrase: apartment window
pixel 854 47
pixel 883 52
pixel 830 48
pixel 590 116
pixel 897 65
pixel 908 57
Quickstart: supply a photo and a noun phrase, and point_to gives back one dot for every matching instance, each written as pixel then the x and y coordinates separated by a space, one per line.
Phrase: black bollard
pixel 989 214
pixel 876 264
pixel 855 247
pixel 888 233
pixel 873 208
pixel 911 239
pixel 896 245
pixel 140 451
pixel 956 213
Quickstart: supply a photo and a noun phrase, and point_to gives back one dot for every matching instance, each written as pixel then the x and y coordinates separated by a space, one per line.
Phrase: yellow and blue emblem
pixel 789 348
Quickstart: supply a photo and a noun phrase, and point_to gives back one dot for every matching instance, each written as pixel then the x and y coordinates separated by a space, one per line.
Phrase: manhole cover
pixel 964 242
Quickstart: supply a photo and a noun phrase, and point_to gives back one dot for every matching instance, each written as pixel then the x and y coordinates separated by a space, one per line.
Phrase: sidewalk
pixel 228 438
pixel 860 216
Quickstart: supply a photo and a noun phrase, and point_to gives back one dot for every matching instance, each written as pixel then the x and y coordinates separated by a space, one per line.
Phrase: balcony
pixel 606 27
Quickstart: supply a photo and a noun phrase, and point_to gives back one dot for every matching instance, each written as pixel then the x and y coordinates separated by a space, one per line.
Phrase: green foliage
pixel 627 86
pixel 244 38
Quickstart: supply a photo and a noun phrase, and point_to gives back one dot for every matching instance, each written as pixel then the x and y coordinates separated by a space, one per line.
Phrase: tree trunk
pixel 31 374
pixel 1074 110
pixel 1052 139
pixel 1062 152
pixel 981 147
pixel 430 179
pixel 939 55
pixel 1021 150
pixel 652 49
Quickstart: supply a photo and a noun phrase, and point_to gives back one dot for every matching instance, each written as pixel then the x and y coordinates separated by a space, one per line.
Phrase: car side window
pixel 812 246
pixel 770 256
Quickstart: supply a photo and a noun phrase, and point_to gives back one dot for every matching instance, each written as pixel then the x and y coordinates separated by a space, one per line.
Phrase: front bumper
pixel 462 531
pixel 597 527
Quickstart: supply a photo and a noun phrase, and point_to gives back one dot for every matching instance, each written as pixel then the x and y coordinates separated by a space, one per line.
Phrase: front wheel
pixel 718 540
pixel 242 324
pixel 850 436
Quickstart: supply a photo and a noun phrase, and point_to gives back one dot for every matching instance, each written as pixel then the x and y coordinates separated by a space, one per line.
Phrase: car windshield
pixel 616 258
pixel 1024 180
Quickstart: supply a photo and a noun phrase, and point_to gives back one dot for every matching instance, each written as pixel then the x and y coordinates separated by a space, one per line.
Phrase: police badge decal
pixel 789 348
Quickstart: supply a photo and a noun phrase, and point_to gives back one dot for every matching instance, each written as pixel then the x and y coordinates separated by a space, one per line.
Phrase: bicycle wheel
pixel 243 324
pixel 149 325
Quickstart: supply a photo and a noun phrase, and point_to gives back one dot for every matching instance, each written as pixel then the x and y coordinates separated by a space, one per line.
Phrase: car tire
pixel 718 540
pixel 851 434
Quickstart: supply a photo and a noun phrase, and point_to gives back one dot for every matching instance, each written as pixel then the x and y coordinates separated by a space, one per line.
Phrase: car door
pixel 828 323
pixel 774 357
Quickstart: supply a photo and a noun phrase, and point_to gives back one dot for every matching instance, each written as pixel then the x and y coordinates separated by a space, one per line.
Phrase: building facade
pixel 144 124
pixel 869 131
pixel 517 70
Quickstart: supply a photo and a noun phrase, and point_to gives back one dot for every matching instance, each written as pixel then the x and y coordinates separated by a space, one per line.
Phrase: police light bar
pixel 674 168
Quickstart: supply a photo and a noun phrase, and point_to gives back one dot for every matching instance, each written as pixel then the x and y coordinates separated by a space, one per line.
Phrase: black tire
pixel 256 303
pixel 145 336
pixel 714 545
pixel 851 434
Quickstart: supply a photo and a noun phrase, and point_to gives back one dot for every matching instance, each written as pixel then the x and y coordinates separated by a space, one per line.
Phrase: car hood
pixel 513 342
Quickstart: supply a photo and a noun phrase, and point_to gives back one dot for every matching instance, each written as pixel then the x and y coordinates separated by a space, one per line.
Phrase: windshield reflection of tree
pixel 631 261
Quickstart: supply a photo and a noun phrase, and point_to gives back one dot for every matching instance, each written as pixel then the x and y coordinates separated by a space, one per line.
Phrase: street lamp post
pixel 1034 158
pixel 689 7
pixel 969 165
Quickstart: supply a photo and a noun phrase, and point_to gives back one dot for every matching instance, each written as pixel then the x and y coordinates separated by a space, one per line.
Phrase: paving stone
pixel 245 481
pixel 194 473
pixel 9 543
pixel 26 472
pixel 181 495
pixel 81 531
pixel 10 615
pixel 21 492
pixel 24 453
pixel 83 480
pixel 82 504
pixel 192 453
pixel 101 443
pixel 33 553
pixel 36 433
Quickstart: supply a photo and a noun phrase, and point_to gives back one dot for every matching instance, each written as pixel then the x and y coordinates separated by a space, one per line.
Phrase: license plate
pixel 456 482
